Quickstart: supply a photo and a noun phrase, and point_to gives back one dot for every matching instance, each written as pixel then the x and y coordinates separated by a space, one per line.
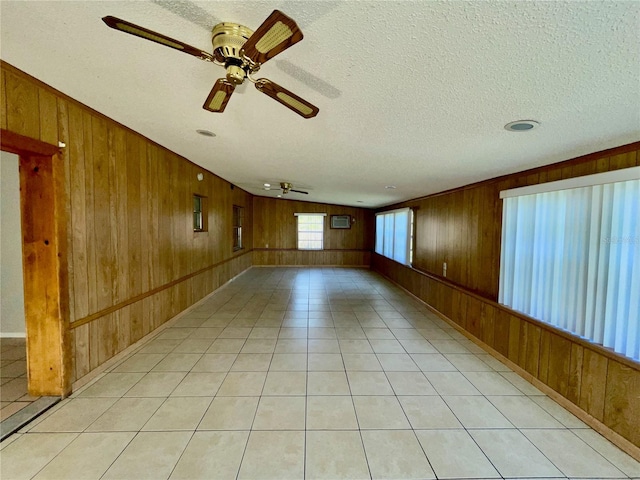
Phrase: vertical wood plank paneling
pixel 559 364
pixel 532 358
pixel 473 315
pixel 120 226
pixel 72 344
pixel 3 101
pixel 575 373
pixel 23 109
pixel 82 346
pixel 623 160
pixel 113 151
pixel 90 218
pixel 543 366
pixel 48 110
pixel 95 343
pixel 131 191
pixel 62 114
pixel 487 240
pixel 79 227
pixel 102 214
pixel 123 320
pixel 594 381
pixel 524 340
pixel 622 401
pixel 514 338
pixel 153 208
pixel 137 320
pixel 502 334
pixel 488 315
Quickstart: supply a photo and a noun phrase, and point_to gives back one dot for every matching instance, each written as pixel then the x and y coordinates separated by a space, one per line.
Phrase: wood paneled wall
pixel 275 234
pixel 133 258
pixel 462 227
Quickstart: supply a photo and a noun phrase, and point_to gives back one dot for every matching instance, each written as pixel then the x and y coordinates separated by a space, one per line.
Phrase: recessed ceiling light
pixel 521 125
pixel 267 188
pixel 279 196
pixel 390 187
pixel 267 184
pixel 206 133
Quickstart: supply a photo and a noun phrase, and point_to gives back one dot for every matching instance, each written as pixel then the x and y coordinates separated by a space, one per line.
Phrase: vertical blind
pixel 393 235
pixel 571 258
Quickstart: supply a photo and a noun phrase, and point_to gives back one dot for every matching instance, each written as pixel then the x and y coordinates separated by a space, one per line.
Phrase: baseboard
pixel 13 335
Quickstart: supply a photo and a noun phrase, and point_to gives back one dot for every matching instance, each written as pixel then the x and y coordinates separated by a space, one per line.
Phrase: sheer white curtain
pixel 571 258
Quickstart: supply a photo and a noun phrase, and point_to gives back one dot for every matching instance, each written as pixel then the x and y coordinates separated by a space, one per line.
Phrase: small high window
pixel 199 213
pixel 238 219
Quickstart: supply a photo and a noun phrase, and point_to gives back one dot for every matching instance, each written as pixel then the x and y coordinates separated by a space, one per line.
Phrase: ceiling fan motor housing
pixel 228 40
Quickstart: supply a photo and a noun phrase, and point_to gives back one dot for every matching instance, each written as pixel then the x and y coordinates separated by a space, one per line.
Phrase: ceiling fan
pixel 241 52
pixel 286 187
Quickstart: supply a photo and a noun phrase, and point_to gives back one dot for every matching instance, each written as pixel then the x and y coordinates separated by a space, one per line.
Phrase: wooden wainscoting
pixel 603 384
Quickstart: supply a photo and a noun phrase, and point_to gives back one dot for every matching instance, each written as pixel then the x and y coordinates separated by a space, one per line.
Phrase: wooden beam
pixel 45 274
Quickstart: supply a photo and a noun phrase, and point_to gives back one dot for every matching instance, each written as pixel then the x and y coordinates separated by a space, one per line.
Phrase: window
pixel 238 218
pixel 571 256
pixel 394 235
pixel 310 230
pixel 199 214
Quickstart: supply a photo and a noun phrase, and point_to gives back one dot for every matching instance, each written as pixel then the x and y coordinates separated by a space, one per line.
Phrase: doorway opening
pixel 42 226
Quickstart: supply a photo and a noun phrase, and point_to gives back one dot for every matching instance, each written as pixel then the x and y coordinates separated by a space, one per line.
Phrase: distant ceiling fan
pixel 241 52
pixel 287 187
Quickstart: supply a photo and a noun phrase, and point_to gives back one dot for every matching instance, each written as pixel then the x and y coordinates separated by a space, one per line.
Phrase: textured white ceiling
pixel 413 94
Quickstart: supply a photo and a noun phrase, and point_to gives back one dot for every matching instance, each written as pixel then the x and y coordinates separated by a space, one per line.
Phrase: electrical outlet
pixel 444 269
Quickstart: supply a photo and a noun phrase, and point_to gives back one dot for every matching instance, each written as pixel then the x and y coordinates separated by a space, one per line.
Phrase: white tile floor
pixel 310 373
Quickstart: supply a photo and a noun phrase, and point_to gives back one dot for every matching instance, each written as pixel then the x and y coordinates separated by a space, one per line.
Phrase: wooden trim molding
pixel 137 298
pixel 19 144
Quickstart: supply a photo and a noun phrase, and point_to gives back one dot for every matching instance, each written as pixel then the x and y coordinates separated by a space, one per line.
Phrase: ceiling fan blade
pixel 277 33
pixel 138 31
pixel 299 191
pixel 287 98
pixel 219 96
